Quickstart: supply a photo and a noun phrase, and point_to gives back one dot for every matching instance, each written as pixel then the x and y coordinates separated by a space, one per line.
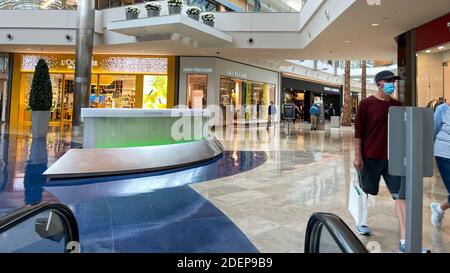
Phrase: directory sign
pixel 289 111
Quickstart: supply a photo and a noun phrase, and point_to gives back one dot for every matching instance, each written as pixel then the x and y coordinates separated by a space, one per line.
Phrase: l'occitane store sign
pixel 65 63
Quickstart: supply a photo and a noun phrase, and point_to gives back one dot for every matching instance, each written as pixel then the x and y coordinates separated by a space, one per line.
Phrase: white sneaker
pixel 402 249
pixel 436 215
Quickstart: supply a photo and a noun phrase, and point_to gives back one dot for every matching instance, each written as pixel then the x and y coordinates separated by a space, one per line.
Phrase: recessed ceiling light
pixel 347 42
pixel 375 24
pixel 428 51
pixel 441 47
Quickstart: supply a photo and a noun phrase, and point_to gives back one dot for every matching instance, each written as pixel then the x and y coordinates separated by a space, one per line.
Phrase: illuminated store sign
pixel 197 70
pixel 236 74
pixel 100 64
pixel 331 89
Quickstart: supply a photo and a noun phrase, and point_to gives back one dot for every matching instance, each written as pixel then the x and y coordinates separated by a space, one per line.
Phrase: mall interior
pixel 169 129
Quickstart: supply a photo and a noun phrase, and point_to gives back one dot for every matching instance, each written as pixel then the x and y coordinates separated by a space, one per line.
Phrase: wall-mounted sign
pixel 331 89
pixel 197 70
pixel 100 63
pixel 236 74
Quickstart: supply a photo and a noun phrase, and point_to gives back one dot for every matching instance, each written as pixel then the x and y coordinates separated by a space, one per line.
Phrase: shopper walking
pixel 442 155
pixel 371 134
pixel 314 113
pixel 271 111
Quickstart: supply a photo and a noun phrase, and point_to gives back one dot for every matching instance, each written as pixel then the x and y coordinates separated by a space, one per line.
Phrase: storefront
pixel 304 93
pixel 433 76
pixel 117 82
pixel 242 91
pixel 423 58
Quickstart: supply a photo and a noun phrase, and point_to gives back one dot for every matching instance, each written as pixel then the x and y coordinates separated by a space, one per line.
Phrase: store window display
pixel 197 91
pixel 249 99
pixel 117 82
pixel 433 76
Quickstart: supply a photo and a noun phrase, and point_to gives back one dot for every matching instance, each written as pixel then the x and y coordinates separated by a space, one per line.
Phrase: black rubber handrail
pixel 341 233
pixel 18 216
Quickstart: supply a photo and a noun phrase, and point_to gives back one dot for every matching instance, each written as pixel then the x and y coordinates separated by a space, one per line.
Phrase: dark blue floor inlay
pixel 150 212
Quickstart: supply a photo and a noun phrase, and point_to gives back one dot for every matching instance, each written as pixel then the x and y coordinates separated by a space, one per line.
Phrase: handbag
pixel 358 201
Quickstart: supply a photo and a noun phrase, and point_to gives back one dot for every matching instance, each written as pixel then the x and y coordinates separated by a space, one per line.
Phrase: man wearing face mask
pixel 371 147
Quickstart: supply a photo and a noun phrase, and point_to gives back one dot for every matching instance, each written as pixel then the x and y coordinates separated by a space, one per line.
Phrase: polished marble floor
pixel 257 197
pixel 306 172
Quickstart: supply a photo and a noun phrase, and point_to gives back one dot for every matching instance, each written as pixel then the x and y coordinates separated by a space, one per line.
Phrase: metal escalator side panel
pixel 343 237
pixel 41 224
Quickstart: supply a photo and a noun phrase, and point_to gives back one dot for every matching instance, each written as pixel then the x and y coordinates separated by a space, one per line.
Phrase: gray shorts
pixel 370 179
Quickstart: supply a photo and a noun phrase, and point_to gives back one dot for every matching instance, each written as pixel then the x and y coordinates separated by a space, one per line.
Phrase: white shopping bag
pixel 358 202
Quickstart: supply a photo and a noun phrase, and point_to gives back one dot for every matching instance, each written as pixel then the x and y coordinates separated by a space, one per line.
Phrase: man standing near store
pixel 371 147
pixel 314 113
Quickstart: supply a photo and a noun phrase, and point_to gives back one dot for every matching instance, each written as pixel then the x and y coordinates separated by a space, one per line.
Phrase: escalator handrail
pixel 341 233
pixel 16 217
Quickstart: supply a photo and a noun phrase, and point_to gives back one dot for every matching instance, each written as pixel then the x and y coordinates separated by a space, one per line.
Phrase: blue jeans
pixel 444 168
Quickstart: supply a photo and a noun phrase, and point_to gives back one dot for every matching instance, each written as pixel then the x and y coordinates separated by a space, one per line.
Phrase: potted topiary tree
pixel 40 100
pixel 153 9
pixel 175 6
pixel 194 13
pixel 208 18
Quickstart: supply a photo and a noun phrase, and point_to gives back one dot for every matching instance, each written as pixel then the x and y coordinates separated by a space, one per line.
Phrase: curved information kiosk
pixel 124 141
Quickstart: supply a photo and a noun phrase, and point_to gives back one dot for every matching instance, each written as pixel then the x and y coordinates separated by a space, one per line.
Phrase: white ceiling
pixel 354 25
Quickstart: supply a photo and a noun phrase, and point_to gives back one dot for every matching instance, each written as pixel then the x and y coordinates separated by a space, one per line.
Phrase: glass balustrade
pixel 38 4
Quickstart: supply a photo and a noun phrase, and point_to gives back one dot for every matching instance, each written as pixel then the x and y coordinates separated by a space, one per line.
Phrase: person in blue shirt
pixel 314 112
pixel 442 155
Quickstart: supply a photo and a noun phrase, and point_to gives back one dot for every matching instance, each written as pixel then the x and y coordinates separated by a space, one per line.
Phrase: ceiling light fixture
pixel 428 51
pixel 347 42
pixel 375 24
pixel 441 47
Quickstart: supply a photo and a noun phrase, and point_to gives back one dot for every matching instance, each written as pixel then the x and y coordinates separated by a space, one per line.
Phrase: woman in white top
pixel 442 155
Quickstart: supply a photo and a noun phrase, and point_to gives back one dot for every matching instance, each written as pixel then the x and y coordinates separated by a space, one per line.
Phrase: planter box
pixel 174 10
pixel 196 17
pixel 209 23
pixel 153 13
pixel 131 16
pixel 39 123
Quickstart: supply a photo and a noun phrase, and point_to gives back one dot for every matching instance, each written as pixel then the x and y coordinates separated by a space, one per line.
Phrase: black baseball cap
pixel 386 75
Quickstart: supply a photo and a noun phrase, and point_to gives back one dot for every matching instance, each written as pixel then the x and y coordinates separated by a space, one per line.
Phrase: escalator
pixel 52 228
pixel 327 233
pixel 40 228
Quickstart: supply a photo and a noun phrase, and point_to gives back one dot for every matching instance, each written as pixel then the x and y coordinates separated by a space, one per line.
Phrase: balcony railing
pixel 222 5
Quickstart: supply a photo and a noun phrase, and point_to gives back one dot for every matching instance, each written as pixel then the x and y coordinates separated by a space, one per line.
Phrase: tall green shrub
pixel 41 88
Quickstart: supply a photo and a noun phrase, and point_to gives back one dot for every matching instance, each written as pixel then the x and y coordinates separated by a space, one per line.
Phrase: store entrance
pixel 63 92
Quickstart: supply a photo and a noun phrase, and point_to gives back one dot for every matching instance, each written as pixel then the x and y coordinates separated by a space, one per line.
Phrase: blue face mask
pixel 389 88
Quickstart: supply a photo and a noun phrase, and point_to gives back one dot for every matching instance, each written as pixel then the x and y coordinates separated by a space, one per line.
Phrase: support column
pixel 363 80
pixel 347 115
pixel 83 65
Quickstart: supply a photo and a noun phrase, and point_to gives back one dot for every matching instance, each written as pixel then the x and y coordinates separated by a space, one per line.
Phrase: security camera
pixel 68 37
pixel 251 41
pixel 9 36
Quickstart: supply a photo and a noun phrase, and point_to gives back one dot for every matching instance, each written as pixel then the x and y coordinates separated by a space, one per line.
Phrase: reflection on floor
pixel 307 171
pixel 155 212
pixel 257 200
